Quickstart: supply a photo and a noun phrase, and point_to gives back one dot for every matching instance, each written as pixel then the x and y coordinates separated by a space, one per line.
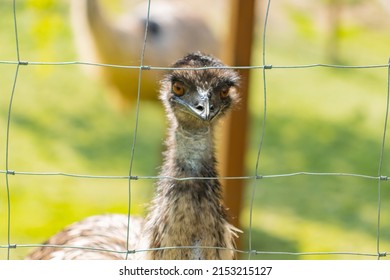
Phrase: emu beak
pixel 203 109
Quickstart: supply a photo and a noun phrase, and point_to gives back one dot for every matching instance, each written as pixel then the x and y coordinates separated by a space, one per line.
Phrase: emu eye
pixel 178 88
pixel 225 92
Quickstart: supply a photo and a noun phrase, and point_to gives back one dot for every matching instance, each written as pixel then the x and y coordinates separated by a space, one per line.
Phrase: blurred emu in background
pixel 174 29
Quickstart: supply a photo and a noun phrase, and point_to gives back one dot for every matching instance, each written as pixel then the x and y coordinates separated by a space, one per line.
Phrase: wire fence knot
pixel 383 178
pixel 10 172
pixel 145 67
pixel 252 252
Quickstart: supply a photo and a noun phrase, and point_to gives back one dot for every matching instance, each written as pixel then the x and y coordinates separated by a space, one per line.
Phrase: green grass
pixel 318 120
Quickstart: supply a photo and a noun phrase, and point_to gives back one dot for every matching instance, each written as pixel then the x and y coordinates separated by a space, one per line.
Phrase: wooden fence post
pixel 235 134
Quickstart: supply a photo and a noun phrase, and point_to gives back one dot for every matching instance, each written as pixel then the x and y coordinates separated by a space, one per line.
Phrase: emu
pixel 174 29
pixel 187 211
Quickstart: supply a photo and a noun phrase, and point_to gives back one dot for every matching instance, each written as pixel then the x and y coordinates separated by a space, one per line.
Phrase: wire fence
pixel 380 178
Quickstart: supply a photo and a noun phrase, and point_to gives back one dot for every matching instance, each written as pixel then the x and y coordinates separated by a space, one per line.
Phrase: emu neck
pixel 188 212
pixel 190 154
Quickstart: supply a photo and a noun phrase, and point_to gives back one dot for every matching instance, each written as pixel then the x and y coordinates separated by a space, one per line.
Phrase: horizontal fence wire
pixel 258 176
pixel 154 177
pixel 166 68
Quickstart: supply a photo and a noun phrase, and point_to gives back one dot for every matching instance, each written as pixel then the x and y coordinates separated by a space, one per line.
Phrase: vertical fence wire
pixel 261 140
pixel 381 158
pixel 137 109
pixel 7 143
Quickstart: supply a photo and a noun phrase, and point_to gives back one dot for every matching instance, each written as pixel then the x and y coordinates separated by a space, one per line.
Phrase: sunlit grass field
pixel 318 120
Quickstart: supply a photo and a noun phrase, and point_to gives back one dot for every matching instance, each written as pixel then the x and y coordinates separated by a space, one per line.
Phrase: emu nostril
pixel 199 107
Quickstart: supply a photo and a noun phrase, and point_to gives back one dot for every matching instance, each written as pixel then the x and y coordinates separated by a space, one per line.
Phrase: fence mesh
pixel 255 181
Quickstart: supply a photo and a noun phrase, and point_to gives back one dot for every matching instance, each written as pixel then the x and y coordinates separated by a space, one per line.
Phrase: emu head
pixel 200 91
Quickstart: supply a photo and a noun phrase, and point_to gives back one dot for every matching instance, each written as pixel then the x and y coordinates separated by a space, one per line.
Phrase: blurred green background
pixel 318 120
